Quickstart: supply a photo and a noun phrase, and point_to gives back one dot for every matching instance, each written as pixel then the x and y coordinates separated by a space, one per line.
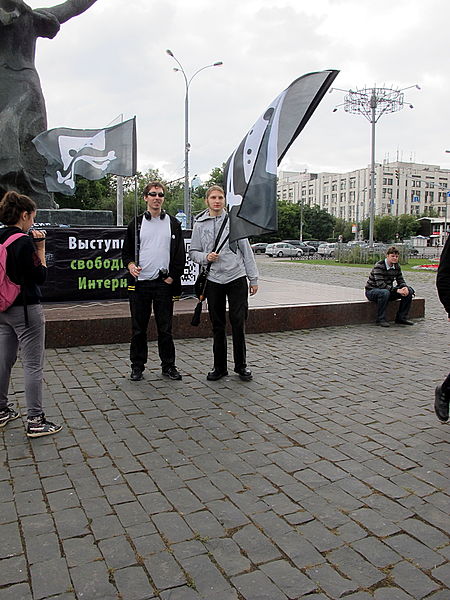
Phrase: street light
pixel 372 103
pixel 187 147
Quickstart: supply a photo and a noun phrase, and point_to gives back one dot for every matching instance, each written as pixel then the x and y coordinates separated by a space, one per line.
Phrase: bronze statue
pixel 22 106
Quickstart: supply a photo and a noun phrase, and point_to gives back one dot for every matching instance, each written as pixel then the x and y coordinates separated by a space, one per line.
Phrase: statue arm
pixel 71 8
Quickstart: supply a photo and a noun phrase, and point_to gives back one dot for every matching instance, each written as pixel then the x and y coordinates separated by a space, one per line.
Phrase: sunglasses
pixel 154 194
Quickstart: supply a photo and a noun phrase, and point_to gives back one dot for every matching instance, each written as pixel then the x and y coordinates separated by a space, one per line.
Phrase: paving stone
pixel 376 552
pixel 257 586
pixel 42 548
pixel 207 579
pixel 356 568
pixel 131 513
pixel 172 527
pixel 117 552
pixel 419 554
pixel 71 522
pixel 374 522
pixel 21 591
pixel 92 581
pixel 13 570
pixel 256 545
pixel 10 542
pixel 412 580
pixel 133 583
pixel 228 556
pixel 327 578
pixel 165 571
pixel 227 514
pixel 49 578
pixel 442 573
pixel 204 524
pixel 300 551
pixel 188 549
pixel 320 536
pixel 181 593
pixel 430 536
pixel 390 593
pixel 154 503
pixel 78 551
pixel 289 580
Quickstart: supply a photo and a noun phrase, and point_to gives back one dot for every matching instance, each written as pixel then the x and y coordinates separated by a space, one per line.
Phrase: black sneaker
pixel 172 372
pixel 136 374
pixel 244 374
pixel 216 374
pixel 39 426
pixel 8 414
pixel 382 323
pixel 441 403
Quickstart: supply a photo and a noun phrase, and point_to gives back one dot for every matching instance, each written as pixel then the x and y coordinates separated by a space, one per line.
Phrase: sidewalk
pixel 325 477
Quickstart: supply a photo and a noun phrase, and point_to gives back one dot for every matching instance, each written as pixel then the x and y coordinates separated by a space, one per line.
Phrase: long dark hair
pixel 12 205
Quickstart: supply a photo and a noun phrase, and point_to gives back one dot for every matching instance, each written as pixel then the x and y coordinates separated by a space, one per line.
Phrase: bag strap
pixel 215 248
pixel 12 238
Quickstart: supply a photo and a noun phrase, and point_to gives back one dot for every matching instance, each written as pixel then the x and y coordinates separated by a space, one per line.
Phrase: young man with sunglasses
pixel 154 255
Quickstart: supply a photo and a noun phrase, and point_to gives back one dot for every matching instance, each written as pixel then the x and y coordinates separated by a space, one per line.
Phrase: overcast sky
pixel 112 60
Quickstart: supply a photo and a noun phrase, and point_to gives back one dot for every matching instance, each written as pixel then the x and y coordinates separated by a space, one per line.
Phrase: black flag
pixel 250 174
pixel 91 153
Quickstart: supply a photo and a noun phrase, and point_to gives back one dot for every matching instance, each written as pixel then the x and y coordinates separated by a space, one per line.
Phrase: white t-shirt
pixel 154 251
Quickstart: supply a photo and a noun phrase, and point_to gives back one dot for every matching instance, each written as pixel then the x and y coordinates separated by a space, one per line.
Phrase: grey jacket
pixel 229 266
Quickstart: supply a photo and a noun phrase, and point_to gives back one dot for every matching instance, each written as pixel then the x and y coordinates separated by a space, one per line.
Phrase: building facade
pixel 400 188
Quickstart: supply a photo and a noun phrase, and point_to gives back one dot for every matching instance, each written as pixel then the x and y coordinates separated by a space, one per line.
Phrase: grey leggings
pixel 30 340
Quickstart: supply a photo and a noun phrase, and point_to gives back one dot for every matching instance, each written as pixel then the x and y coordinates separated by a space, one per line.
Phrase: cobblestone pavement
pixel 325 477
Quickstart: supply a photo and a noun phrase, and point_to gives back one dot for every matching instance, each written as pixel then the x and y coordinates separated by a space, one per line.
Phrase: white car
pixel 281 249
pixel 327 249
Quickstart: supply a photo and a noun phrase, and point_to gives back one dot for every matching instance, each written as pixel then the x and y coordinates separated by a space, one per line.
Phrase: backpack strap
pixel 12 238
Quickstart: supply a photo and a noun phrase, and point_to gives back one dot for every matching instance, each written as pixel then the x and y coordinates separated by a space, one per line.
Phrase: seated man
pixel 380 288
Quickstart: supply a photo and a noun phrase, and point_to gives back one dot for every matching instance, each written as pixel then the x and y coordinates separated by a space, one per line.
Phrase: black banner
pixel 85 263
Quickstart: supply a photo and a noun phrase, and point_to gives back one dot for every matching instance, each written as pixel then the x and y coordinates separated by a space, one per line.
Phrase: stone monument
pixel 22 106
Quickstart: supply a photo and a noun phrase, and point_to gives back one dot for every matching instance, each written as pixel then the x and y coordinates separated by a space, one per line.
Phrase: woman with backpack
pixel 230 276
pixel 22 324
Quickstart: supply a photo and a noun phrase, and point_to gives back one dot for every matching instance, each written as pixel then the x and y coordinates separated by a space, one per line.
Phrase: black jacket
pixel 443 277
pixel 24 267
pixel 177 251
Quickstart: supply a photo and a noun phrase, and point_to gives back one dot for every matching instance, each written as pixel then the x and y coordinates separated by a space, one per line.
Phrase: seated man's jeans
pixel 383 296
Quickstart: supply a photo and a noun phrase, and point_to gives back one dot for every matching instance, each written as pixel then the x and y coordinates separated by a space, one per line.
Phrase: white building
pixel 400 188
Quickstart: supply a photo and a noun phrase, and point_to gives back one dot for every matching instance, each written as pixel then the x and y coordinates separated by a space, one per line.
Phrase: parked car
pixel 314 243
pixel 353 243
pixel 259 248
pixel 327 250
pixel 283 249
pixel 307 250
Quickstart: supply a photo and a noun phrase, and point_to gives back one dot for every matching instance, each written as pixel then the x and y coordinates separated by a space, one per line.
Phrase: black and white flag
pixel 250 175
pixel 91 153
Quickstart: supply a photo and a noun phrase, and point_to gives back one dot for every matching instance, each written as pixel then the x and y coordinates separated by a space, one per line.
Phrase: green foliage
pixel 390 228
pixel 89 195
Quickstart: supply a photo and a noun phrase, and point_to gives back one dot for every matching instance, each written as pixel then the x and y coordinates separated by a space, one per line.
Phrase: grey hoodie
pixel 229 266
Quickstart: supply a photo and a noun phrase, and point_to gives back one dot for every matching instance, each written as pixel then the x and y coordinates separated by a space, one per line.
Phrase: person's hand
pixel 134 269
pixel 38 234
pixel 168 280
pixel 212 257
pixel 403 291
pixel 253 290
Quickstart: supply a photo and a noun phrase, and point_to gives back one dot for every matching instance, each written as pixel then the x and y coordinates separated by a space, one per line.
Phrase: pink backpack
pixel 8 289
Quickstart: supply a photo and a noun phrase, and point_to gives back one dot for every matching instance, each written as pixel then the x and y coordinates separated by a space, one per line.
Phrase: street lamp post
pixel 187 147
pixel 372 103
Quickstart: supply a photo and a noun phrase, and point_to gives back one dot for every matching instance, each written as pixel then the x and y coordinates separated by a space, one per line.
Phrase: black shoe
pixel 172 373
pixel 441 403
pixel 39 426
pixel 382 323
pixel 136 374
pixel 403 322
pixel 215 374
pixel 8 414
pixel 244 374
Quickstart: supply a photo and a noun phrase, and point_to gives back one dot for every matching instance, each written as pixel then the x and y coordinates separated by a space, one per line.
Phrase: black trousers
pixel 237 293
pixel 158 294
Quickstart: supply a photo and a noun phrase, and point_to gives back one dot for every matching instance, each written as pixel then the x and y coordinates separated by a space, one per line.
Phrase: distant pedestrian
pixel 386 283
pixel 22 325
pixel 154 254
pixel 442 392
pixel 227 280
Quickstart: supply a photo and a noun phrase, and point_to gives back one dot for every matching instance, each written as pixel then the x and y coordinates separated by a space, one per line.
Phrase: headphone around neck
pixel 148 215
